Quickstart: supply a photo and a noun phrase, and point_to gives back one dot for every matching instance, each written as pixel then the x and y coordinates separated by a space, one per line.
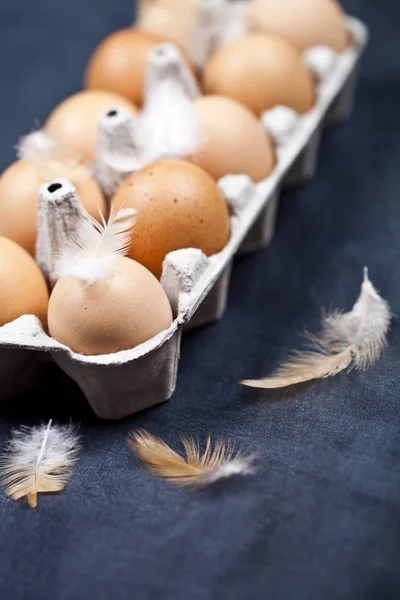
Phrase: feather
pixel 197 470
pixel 38 460
pixel 50 159
pixel 35 146
pixel 168 126
pixel 353 339
pixel 89 254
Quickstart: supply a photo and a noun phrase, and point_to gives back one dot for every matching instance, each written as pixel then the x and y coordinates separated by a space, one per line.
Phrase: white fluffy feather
pixel 39 459
pixel 51 160
pixel 36 146
pixel 168 127
pixel 352 339
pixel 89 254
pixel 238 465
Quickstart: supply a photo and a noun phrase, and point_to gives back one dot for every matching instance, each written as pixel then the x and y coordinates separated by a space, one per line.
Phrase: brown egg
pixel 261 71
pixel 73 123
pixel 303 22
pixel 118 313
pixel 119 63
pixel 171 19
pixel 19 189
pixel 234 140
pixel 23 290
pixel 179 206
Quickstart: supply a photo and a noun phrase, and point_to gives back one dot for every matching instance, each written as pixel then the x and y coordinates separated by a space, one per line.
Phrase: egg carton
pixel 123 383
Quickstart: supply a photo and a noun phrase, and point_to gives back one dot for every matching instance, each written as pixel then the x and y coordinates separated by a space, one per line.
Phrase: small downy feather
pixel 197 469
pixel 353 339
pixel 38 460
pixel 50 159
pixel 35 146
pixel 89 253
pixel 168 126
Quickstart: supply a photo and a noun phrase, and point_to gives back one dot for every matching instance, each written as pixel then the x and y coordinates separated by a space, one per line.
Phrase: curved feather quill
pixel 352 339
pixel 197 469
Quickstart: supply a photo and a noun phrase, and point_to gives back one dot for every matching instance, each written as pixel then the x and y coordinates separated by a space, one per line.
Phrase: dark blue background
pixel 320 520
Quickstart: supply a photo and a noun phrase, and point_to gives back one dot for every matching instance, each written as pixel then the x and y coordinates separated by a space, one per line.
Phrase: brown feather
pixel 303 367
pixel 215 463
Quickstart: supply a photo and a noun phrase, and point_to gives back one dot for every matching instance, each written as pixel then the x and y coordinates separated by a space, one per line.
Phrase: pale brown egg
pixel 171 19
pixel 119 63
pixel 179 206
pixel 110 315
pixel 23 290
pixel 305 23
pixel 19 191
pixel 261 71
pixel 73 123
pixel 234 141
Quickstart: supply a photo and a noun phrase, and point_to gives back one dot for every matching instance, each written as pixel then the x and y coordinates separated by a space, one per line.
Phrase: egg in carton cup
pixel 296 137
pixel 122 383
pixel 197 26
pixel 125 382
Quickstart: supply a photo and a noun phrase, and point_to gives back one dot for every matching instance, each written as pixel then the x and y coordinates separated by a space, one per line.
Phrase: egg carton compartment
pixel 342 106
pixel 296 137
pixel 262 232
pixel 115 385
pixel 123 383
pixel 214 304
pixel 15 361
pixel 305 166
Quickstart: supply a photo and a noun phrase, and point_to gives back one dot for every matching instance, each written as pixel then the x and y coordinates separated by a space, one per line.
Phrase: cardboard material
pixel 123 383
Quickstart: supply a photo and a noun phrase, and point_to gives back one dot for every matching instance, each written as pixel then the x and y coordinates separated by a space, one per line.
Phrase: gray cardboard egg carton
pixel 123 383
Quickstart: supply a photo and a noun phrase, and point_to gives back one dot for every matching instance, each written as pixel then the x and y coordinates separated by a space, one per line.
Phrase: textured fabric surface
pixel 321 518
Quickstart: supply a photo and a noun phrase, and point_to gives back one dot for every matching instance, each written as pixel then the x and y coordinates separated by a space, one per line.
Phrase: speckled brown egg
pixel 19 190
pixel 73 123
pixel 119 63
pixel 113 314
pixel 305 23
pixel 23 290
pixel 234 140
pixel 179 206
pixel 261 71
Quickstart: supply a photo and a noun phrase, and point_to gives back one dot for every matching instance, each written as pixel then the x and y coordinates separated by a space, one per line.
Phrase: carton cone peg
pixel 321 61
pixel 116 153
pixel 165 62
pixel 281 123
pixel 58 213
pixel 237 191
pixel 233 23
pixel 206 30
pixel 182 269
